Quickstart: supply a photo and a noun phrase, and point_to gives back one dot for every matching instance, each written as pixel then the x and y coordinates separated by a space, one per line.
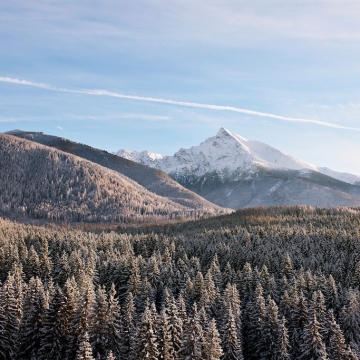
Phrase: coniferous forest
pixel 277 283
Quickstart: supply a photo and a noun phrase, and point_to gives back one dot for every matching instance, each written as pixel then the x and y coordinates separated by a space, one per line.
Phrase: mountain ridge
pixel 234 172
pixel 153 180
pixel 39 182
pixel 244 154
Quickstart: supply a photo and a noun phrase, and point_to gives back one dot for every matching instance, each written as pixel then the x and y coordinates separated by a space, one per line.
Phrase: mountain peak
pixel 228 155
pixel 223 132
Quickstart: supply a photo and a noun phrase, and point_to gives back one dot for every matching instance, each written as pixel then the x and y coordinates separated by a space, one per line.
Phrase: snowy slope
pixel 228 155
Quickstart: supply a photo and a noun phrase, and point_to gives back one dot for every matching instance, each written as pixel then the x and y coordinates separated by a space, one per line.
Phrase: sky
pixel 163 75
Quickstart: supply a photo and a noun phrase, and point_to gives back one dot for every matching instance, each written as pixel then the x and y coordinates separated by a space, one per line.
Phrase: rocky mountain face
pixel 235 172
pixel 152 179
pixel 40 182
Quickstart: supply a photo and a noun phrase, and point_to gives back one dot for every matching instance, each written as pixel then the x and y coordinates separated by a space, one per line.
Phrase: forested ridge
pixel 38 182
pixel 153 180
pixel 278 283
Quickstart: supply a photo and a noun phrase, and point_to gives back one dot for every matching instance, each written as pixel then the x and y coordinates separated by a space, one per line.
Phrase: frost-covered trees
pixel 184 292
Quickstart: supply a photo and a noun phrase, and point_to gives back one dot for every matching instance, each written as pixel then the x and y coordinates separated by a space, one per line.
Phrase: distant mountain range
pixel 46 177
pixel 234 172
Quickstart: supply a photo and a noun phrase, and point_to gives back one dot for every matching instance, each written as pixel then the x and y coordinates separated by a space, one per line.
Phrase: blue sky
pixel 292 59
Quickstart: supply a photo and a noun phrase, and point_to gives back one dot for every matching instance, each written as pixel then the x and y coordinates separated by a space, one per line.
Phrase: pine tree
pixel 334 340
pixel 216 272
pixel 350 319
pixel 99 328
pixel 253 323
pixel 53 340
pixel 9 321
pixel 110 356
pixel 181 305
pixel 192 343
pixel 231 343
pixel 34 311
pixel 287 266
pixel 114 326
pixel 231 299
pixel 45 263
pixel 299 319
pixel 274 341
pixel 175 324
pixel 356 277
pixel 146 345
pixel 212 348
pixel 84 317
pixel 318 307
pixel 284 344
pixel 128 325
pixel 84 351
pixel 199 286
pixel 228 275
pixel 68 312
pixel 313 347
pixel 246 283
pixel 166 346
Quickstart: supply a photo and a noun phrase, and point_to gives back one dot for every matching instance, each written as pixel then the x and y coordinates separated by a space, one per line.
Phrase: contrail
pixel 174 102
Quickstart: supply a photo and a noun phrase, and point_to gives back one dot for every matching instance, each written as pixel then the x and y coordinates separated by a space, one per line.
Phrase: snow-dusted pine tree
pixel 84 351
pixel 313 347
pixel 146 345
pixel 193 339
pixel 212 343
pixel 53 340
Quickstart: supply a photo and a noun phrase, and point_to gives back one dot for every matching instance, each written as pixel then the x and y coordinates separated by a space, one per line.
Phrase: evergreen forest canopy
pixel 277 283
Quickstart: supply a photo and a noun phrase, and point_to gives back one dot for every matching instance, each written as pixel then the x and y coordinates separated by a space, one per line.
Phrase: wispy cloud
pixel 59 127
pixel 121 116
pixel 177 103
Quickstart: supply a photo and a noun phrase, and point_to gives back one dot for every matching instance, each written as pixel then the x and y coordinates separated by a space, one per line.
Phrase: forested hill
pixel 279 283
pixel 40 182
pixel 152 179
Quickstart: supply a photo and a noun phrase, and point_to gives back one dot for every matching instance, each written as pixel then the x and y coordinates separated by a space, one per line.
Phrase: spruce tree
pixel 128 326
pixel 165 344
pixel 350 319
pixel 212 343
pixel 287 266
pixel 253 324
pixel 84 317
pixel 193 339
pixel 99 329
pixel 145 344
pixel 283 351
pixel 67 314
pixel 9 321
pixel 53 340
pixel 335 341
pixel 312 347
pixel 274 341
pixel 84 351
pixel 34 312
pixel 114 326
pixel 110 356
pixel 231 343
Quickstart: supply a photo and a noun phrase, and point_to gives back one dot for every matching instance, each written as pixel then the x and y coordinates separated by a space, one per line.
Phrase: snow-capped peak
pixel 143 157
pixel 230 156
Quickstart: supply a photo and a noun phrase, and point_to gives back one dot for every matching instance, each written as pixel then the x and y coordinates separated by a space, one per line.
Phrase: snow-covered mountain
pixel 230 156
pixel 234 172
